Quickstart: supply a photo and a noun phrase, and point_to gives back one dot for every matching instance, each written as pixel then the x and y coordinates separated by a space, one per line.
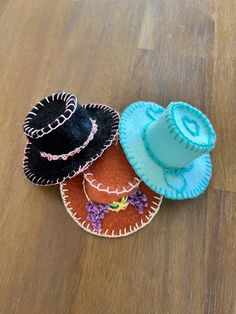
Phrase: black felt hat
pixel 65 138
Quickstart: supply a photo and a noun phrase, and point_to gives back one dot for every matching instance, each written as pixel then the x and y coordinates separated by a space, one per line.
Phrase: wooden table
pixel 118 52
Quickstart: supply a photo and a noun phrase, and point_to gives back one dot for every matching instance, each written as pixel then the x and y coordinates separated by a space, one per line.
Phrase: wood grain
pixel 117 52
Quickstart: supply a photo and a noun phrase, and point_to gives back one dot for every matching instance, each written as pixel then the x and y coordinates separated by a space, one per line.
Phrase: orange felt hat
pixel 108 199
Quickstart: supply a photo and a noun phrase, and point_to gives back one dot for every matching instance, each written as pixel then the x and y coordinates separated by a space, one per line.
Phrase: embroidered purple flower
pixel 138 200
pixel 96 212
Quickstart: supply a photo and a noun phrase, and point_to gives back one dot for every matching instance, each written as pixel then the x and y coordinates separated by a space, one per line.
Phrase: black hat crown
pixel 59 127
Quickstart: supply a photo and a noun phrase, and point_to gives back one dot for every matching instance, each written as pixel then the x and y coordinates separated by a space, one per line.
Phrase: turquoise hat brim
pixel 190 184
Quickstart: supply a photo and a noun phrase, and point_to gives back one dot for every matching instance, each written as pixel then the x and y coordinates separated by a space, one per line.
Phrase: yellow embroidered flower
pixel 121 204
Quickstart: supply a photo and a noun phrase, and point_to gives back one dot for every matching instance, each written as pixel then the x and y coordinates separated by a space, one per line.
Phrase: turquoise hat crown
pixel 181 134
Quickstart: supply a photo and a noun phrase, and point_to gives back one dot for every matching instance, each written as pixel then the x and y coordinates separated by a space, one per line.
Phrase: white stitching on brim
pixel 122 233
pixel 87 164
pixel 71 101
pixel 107 189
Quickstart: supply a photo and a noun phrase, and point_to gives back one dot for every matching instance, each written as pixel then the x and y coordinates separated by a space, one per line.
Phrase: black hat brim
pixel 41 171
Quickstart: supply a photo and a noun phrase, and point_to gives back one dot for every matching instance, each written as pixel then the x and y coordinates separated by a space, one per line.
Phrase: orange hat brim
pixel 114 224
pixel 111 177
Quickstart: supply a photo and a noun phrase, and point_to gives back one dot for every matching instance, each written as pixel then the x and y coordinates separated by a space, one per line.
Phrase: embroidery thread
pixel 75 151
pixel 97 211
pixel 191 126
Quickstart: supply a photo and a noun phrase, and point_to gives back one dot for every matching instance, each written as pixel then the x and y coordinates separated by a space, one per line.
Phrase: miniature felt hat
pixel 109 199
pixel 65 138
pixel 168 148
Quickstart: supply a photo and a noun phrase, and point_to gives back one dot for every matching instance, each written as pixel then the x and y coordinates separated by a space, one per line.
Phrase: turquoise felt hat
pixel 168 148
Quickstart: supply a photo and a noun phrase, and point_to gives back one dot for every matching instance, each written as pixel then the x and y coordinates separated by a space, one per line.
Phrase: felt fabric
pixel 111 170
pixel 72 133
pixel 40 170
pixel 111 177
pixel 48 113
pixel 154 145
